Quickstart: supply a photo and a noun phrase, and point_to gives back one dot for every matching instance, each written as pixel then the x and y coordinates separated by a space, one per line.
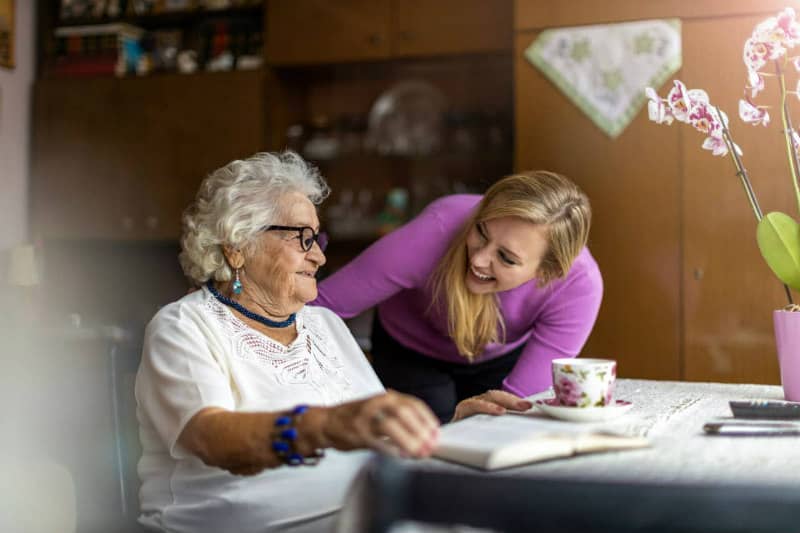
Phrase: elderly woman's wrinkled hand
pixel 493 402
pixel 393 423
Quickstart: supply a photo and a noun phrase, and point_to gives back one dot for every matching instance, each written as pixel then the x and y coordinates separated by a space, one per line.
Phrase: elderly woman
pixel 241 378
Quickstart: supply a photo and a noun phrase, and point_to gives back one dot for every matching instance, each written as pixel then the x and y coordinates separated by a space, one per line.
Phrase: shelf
pixel 170 18
pixel 167 77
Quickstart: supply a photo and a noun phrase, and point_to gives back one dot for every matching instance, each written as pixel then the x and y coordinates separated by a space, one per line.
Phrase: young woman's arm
pixel 402 259
pixel 560 331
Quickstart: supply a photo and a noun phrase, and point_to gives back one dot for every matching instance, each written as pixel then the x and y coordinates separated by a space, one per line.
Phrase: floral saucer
pixel 551 407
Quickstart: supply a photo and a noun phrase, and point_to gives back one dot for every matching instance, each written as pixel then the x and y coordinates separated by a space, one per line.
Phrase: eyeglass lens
pixel 307 238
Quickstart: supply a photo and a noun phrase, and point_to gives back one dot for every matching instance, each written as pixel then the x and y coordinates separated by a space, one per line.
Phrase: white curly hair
pixel 235 202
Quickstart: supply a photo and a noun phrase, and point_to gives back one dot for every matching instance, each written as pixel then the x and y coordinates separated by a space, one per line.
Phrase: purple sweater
pixel 393 274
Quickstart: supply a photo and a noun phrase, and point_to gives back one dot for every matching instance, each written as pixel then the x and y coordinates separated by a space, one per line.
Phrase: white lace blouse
pixel 197 354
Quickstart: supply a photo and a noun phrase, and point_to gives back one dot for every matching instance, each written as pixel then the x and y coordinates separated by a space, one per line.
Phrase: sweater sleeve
pixel 403 259
pixel 560 331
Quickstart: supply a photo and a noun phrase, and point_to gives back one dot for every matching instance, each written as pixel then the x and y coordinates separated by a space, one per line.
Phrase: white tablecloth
pixel 671 414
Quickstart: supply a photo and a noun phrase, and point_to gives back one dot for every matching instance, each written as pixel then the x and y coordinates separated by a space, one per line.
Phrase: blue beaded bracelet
pixel 285 436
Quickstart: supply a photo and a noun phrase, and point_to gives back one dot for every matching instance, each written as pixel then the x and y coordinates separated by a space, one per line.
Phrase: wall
pixel 15 104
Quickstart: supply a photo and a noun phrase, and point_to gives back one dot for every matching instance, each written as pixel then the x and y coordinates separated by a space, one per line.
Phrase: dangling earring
pixel 237 284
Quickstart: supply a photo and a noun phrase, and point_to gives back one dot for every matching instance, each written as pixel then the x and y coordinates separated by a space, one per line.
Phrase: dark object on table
pixel 522 504
pixel 771 409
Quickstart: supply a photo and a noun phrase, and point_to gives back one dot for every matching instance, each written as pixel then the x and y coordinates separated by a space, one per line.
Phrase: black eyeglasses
pixel 306 235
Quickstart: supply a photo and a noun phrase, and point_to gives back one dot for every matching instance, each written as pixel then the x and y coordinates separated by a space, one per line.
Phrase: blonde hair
pixel 540 197
pixel 235 202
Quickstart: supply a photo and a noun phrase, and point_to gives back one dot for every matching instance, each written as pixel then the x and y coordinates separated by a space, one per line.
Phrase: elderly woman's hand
pixel 392 422
pixel 493 402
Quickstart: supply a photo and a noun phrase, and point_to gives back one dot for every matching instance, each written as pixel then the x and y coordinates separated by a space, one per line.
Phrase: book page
pixel 491 442
pixel 487 433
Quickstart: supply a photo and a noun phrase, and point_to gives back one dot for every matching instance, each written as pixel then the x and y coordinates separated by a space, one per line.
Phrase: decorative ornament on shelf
pixel 777 234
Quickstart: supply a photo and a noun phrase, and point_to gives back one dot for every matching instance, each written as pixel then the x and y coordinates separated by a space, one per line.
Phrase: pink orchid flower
pixel 787 23
pixel 752 114
pixel 756 83
pixel 691 106
pixel 705 119
pixel 757 54
pixel 657 109
pixel 678 101
pixel 717 146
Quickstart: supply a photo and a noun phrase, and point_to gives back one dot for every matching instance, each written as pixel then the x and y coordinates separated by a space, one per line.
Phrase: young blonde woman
pixel 477 292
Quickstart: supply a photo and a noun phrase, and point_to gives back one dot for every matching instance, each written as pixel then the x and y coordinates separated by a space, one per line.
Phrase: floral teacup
pixel 584 382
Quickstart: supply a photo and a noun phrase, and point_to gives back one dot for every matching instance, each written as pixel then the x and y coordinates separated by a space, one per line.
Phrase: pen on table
pixel 751 428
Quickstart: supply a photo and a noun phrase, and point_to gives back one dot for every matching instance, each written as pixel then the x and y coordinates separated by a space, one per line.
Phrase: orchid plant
pixel 778 234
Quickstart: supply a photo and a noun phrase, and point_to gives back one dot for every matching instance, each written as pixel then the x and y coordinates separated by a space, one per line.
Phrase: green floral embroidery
pixel 580 50
pixel 643 44
pixel 613 79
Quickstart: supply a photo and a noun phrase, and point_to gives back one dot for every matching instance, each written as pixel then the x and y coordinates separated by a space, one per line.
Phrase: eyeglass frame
pixel 319 237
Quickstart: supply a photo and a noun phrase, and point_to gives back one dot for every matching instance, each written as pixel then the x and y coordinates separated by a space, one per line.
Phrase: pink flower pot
pixel 787 339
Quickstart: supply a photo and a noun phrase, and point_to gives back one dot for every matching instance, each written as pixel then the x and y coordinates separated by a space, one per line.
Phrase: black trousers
pixel 440 384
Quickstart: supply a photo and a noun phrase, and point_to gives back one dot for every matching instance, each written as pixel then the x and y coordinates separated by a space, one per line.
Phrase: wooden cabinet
pixel 687 295
pixel 422 27
pixel 325 31
pixel 121 159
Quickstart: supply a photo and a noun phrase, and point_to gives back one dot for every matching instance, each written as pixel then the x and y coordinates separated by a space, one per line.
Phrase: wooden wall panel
pixel 321 31
pixel 635 193
pixel 422 27
pixel 537 14
pixel 729 290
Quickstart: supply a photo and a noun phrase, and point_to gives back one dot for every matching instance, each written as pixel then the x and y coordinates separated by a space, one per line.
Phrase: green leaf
pixel 778 238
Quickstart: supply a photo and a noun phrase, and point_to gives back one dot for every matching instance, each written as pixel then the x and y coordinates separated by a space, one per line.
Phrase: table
pixel 686 481
pixel 671 414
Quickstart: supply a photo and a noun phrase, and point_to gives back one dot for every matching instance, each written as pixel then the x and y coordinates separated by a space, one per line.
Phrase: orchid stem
pixel 748 189
pixel 740 170
pixel 787 133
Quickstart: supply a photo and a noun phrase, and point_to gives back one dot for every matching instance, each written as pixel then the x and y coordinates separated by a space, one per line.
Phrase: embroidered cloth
pixel 604 69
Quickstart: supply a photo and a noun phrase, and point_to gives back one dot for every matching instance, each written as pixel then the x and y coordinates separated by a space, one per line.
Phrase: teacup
pixel 584 382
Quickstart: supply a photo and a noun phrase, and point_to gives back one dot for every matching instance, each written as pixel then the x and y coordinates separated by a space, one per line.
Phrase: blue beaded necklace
pixel 248 313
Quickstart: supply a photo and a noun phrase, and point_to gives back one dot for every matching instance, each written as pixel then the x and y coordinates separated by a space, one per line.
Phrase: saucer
pixel 583 414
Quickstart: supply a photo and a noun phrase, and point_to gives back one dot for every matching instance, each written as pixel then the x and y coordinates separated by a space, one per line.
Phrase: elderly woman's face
pixel 280 268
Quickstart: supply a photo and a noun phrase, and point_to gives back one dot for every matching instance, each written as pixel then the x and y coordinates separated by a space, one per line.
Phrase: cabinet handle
pixel 151 222
pixel 127 223
pixel 698 274
pixel 375 39
pixel 406 35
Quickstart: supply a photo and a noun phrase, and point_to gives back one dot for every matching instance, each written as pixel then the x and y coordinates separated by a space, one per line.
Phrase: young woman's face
pixel 503 253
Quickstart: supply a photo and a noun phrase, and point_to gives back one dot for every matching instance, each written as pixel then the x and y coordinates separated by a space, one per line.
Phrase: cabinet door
pixel 325 31
pixel 729 291
pixel 634 189
pixel 181 129
pixel 76 187
pixel 121 159
pixel 422 27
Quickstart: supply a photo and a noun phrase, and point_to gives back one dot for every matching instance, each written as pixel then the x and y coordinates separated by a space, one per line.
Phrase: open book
pixel 492 442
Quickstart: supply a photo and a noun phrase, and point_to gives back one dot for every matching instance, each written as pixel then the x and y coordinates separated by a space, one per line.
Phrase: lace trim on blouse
pixel 310 359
